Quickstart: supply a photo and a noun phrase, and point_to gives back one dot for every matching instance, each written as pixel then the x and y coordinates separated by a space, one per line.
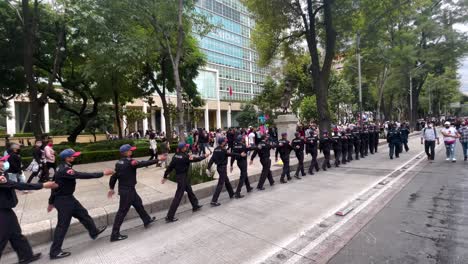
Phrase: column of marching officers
pixel 347 145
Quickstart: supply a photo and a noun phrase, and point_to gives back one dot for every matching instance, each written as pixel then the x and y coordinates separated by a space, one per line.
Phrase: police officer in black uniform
pixel 220 158
pixel 263 151
pixel 337 147
pixel 364 138
pixel 357 142
pixel 312 142
pixel 284 149
pixel 394 141
pixel 371 140
pixel 181 163
pixel 376 138
pixel 344 147
pixel 125 173
pixel 10 230
pixel 67 205
pixel 325 147
pixel 350 138
pixel 404 131
pixel 239 148
pixel 298 146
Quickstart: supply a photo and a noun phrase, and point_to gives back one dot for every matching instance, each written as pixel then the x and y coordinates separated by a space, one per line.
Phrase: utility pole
pixel 411 98
pixel 358 55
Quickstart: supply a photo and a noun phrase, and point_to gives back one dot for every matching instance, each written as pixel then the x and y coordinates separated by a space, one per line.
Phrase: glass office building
pixel 228 50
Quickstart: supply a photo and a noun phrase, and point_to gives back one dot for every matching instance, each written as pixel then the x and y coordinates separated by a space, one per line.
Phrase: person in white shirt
pixel 49 154
pixel 252 137
pixel 450 138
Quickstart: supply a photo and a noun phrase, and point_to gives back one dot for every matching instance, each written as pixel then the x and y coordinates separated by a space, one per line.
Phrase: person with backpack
pixel 428 138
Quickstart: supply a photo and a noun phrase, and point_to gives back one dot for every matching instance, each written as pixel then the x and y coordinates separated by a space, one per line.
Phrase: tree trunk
pixel 180 109
pixel 117 113
pixel 77 130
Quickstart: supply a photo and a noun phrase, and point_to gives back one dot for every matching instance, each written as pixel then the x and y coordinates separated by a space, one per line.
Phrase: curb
pixel 42 232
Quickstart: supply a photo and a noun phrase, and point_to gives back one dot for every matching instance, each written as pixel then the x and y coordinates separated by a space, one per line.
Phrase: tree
pixel 102 122
pixel 133 115
pixel 290 22
pixel 247 116
pixel 308 109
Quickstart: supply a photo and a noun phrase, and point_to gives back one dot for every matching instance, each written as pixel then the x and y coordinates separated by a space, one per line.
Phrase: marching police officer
pixel 263 151
pixel 404 136
pixel 371 140
pixel 10 230
pixel 376 138
pixel 364 139
pixel 67 205
pixel 125 173
pixel 220 158
pixel 312 149
pixel 349 136
pixel 298 146
pixel 394 141
pixel 357 142
pixel 344 147
pixel 284 149
pixel 181 163
pixel 240 147
pixel 325 147
pixel 337 147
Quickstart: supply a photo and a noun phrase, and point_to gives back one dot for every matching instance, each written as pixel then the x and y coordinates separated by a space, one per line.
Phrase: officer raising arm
pixel 67 205
pixel 181 163
pixel 10 230
pixel 125 173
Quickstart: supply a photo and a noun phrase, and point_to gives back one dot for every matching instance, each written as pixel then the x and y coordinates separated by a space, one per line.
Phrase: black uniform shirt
pixel 284 148
pixel 325 143
pixel 394 136
pixel 356 137
pixel 125 172
pixel 238 148
pixel 15 163
pixel 220 157
pixel 336 140
pixel 180 163
pixel 263 150
pixel 8 199
pixel 66 177
pixel 311 143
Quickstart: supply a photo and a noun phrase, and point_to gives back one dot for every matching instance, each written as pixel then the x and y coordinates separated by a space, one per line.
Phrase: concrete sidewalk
pixel 38 225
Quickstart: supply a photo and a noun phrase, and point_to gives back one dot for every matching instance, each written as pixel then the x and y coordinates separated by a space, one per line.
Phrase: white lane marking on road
pixel 334 228
pixel 292 238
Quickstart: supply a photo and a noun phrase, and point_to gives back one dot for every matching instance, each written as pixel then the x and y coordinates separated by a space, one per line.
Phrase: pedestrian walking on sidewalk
pixel 298 146
pixel 49 154
pixel 450 139
pixel 220 158
pixel 325 147
pixel 312 148
pixel 181 163
pixel 125 174
pixel 428 138
pixel 38 163
pixel 67 205
pixel 15 172
pixel 394 141
pixel 463 131
pixel 263 151
pixel 153 146
pixel 10 230
pixel 240 147
pixel 284 149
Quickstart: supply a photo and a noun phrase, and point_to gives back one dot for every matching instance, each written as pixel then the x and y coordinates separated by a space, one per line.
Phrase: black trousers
pixel 371 145
pixel 376 144
pixel 244 179
pixel 357 149
pixel 129 197
pixel 300 164
pixel 10 230
pixel 266 173
pixel 326 160
pixel 153 154
pixel 313 162
pixel 183 185
pixel 429 147
pixel 68 207
pixel 48 166
pixel 394 149
pixel 286 171
pixel 350 152
pixel 223 180
pixel 337 153
pixel 405 144
pixel 344 154
pixel 366 147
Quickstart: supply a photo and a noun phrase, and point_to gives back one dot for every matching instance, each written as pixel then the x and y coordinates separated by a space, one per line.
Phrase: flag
pixel 230 91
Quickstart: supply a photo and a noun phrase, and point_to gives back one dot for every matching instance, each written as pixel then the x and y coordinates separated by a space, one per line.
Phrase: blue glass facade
pixel 228 49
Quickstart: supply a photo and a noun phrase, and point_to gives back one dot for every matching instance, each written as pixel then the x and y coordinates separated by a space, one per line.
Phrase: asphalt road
pixel 427 222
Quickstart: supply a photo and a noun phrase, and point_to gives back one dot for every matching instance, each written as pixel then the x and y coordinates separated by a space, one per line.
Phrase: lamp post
pixel 358 55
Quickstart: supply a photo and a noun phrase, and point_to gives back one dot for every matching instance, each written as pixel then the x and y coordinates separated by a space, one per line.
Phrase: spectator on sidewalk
pixel 15 172
pixel 153 146
pixel 464 139
pixel 450 139
pixel 428 138
pixel 49 154
pixel 38 163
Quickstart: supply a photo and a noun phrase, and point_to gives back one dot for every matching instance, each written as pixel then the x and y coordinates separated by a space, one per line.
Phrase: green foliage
pixel 247 116
pixel 269 100
pixel 308 109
